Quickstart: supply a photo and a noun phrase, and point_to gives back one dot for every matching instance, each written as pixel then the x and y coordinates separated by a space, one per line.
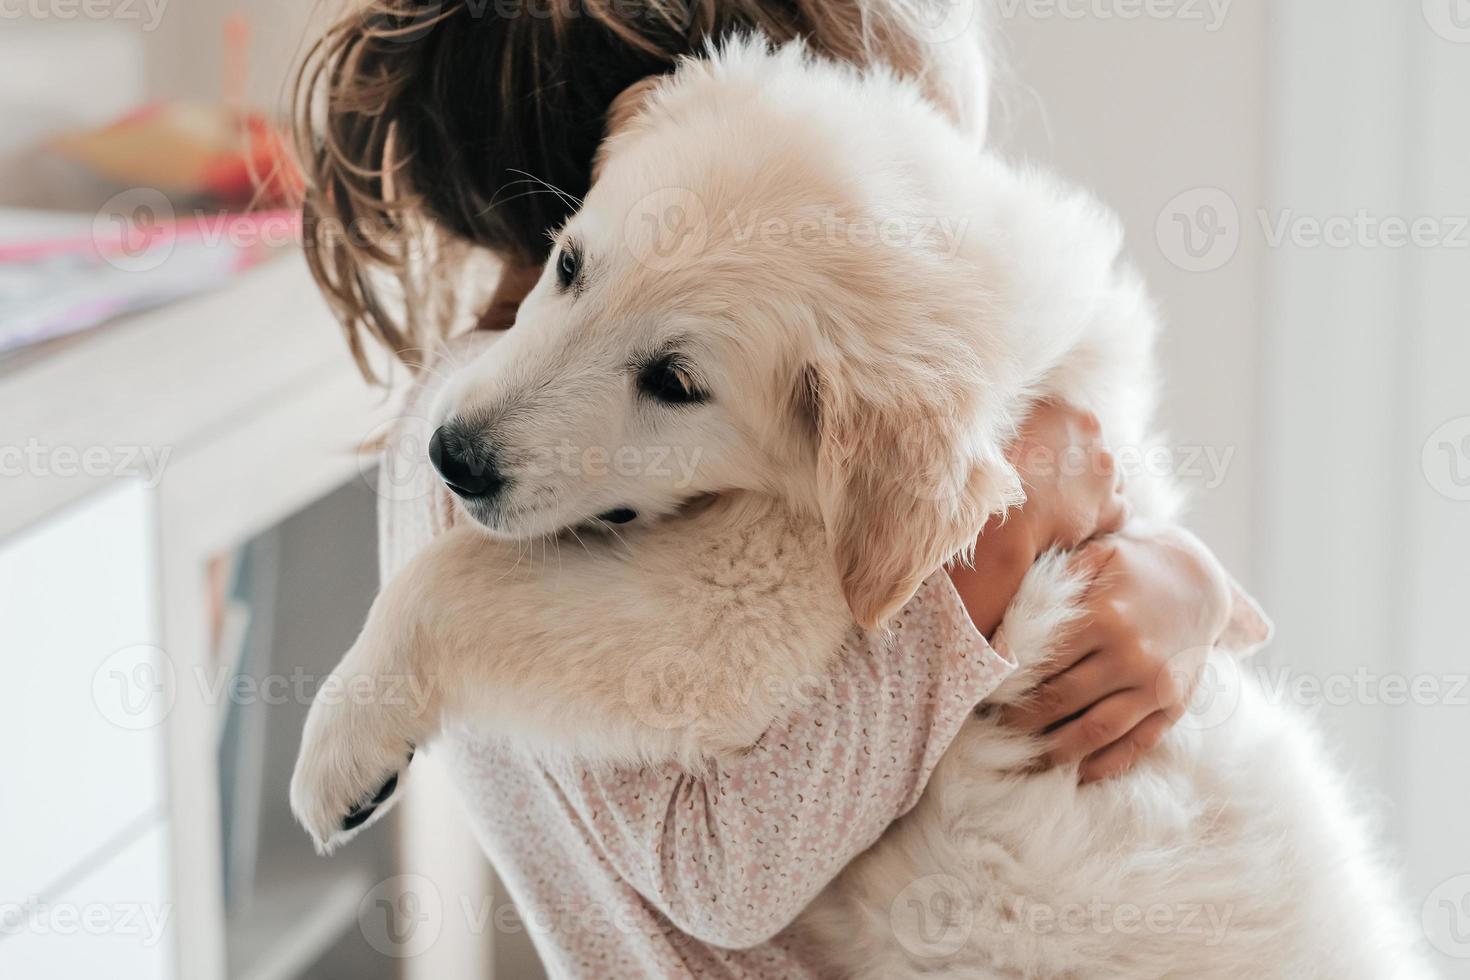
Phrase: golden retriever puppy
pixel 808 281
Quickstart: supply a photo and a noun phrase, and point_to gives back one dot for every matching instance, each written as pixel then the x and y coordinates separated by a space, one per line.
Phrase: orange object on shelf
pixel 225 152
pixel 190 150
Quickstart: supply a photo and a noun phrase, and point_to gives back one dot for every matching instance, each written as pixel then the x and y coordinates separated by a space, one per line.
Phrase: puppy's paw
pixel 350 770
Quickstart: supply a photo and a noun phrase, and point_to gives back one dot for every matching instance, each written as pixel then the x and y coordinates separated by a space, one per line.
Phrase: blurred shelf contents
pixel 113 209
pixel 61 272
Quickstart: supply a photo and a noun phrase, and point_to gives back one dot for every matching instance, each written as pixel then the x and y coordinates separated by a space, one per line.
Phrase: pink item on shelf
pixel 65 272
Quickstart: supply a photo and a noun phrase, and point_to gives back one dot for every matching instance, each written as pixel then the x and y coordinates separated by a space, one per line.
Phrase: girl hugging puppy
pixel 443 140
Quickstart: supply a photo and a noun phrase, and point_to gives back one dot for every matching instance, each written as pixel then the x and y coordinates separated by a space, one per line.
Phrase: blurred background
pixel 187 538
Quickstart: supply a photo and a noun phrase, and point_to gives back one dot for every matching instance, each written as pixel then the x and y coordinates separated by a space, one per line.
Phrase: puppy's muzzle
pixel 465 467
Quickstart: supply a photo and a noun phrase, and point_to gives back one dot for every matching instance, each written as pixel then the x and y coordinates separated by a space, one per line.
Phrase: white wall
pixel 184 39
pixel 1337 373
pixel 1367 534
pixel 1141 111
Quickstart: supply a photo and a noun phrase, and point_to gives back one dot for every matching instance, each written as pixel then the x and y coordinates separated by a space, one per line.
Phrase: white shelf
pixel 252 394
pixel 168 379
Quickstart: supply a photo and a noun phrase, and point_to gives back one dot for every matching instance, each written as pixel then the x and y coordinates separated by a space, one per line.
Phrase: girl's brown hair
pixel 428 127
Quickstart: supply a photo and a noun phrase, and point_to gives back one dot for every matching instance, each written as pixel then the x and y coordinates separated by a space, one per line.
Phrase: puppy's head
pixel 757 294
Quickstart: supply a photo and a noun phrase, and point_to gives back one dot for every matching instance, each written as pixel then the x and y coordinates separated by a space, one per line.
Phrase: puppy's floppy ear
pixel 620 115
pixel 909 470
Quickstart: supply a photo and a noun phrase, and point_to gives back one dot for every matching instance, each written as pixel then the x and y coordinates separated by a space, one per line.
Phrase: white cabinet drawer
pixel 113 921
pixel 80 703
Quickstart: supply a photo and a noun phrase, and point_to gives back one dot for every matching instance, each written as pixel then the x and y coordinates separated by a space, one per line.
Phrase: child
pixel 431 119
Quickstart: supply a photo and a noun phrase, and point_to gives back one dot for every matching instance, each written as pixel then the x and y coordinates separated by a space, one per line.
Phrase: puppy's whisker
pixel 611 529
pixel 580 541
pixel 570 200
pixel 498 201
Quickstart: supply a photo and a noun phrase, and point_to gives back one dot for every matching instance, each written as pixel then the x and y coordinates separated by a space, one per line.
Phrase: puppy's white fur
pixel 863 389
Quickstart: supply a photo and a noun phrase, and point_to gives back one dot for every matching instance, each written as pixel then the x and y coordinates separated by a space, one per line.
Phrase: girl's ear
pixel 908 475
pixel 620 115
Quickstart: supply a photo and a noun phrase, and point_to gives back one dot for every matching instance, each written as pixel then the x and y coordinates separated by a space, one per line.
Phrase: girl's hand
pixel 1156 607
pixel 1073 486
pixel 1072 493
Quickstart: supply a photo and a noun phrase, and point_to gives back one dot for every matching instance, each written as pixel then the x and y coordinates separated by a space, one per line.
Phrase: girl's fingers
pixel 1114 515
pixel 1084 683
pixel 1098 727
pixel 1093 558
pixel 1123 755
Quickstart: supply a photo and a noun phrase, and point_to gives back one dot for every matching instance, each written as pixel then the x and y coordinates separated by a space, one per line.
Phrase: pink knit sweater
pixel 656 873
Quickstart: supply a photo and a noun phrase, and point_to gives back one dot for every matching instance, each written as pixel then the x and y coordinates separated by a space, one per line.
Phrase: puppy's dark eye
pixel 568 266
pixel 667 378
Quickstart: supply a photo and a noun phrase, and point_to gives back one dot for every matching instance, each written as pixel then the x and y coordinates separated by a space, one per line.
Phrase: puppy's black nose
pixel 465 471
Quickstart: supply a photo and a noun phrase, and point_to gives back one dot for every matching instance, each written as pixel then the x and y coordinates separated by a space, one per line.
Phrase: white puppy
pixel 807 282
